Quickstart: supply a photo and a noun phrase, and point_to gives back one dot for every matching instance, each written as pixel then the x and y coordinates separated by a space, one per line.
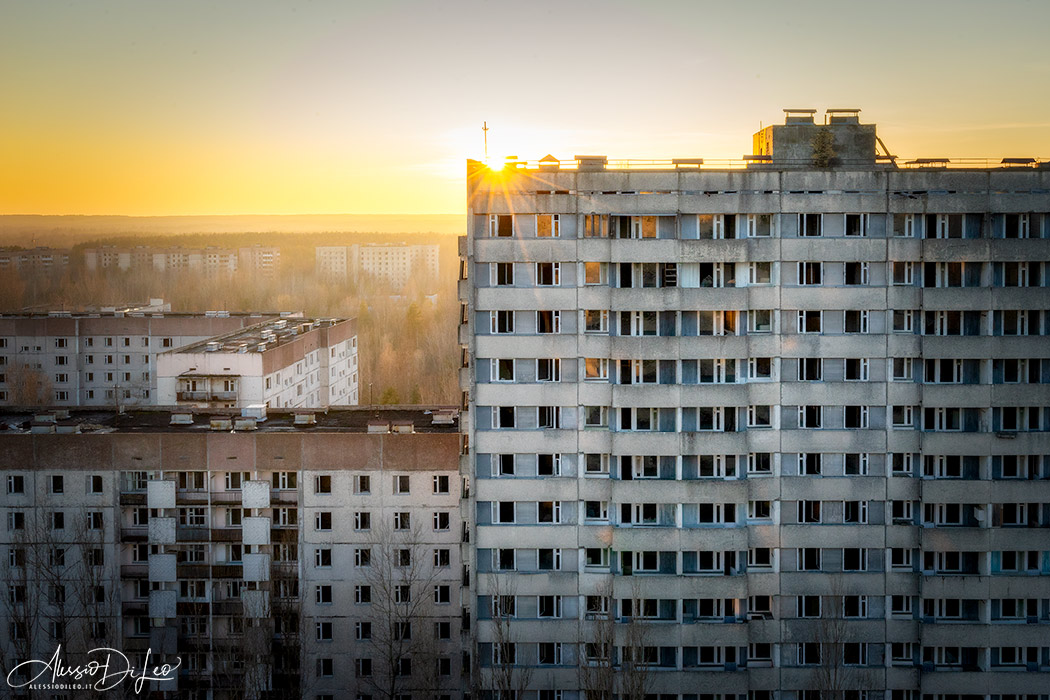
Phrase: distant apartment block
pixel 263 260
pixel 100 358
pixel 33 260
pixel 394 264
pixel 773 429
pixel 280 363
pixel 286 554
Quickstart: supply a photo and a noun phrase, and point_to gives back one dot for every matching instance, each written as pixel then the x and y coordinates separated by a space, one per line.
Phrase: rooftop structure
pixel 281 363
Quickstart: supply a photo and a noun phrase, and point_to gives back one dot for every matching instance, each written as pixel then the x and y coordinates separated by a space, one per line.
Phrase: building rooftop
pixel 786 146
pixel 160 419
pixel 260 336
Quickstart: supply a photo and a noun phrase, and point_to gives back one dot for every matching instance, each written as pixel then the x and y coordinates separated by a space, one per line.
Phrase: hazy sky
pixel 372 107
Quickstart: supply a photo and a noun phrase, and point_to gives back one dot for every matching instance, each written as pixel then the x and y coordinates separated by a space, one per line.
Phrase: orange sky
pixel 331 107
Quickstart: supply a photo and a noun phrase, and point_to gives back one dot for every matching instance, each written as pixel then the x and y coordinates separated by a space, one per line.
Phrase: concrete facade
pixel 256 556
pixel 394 264
pixel 281 363
pixel 105 357
pixel 798 415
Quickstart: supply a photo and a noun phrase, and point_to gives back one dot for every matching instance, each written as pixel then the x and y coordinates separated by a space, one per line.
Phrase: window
pixel 902 369
pixel 760 321
pixel 504 417
pixel 810 369
pixel 362 594
pixel 596 416
pixel 810 273
pixel 760 368
pixel 596 321
pixel 402 520
pixel 548 225
pixel 810 416
pixel 363 520
pixel 854 559
pixel 15 483
pixel 501 274
pixel 855 512
pixel 760 273
pixel 441 520
pixel 501 226
pixel 810 321
pixel 441 484
pixel 323 594
pixel 548 370
pixel 362 484
pixel 323 521
pixel 57 484
pixel 855 463
pixel 401 484
pixel 809 559
pixel 856 273
pixel 442 595
pixel 809 511
pixel 442 558
pixel 595 273
pixel 856 224
pixel 501 321
pixel 758 416
pixel 855 321
pixel 283 480
pixel 855 417
pixel 548 322
pixel 323 484
pixel 548 417
pixel 903 321
pixel 548 274
pixel 58 520
pixel 810 225
pixel 856 369
pixel 596 369
pixel 903 273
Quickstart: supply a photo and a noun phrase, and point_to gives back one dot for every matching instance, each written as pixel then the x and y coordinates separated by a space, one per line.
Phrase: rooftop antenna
pixel 485 130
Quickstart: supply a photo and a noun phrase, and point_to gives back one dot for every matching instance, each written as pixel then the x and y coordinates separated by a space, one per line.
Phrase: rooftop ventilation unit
pixel 255 410
pixel 181 418
pixel 402 427
pixel 221 423
pixel 378 426
pixel 305 419
pixel 245 423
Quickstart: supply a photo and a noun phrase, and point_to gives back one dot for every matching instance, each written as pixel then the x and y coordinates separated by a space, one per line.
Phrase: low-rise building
pixel 280 363
pixel 103 357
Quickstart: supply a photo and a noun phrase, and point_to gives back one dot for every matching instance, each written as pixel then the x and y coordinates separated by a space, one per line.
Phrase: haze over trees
pixel 408 349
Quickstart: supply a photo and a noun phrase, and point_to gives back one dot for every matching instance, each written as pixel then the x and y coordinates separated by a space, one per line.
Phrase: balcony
pixel 138 570
pixel 194 396
pixel 133 499
pixel 134 534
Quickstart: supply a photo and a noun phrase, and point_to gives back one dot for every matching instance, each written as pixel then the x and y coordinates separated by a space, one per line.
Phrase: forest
pixel 411 327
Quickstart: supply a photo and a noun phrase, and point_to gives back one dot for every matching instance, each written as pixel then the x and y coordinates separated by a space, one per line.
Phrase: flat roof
pixel 259 337
pixel 339 419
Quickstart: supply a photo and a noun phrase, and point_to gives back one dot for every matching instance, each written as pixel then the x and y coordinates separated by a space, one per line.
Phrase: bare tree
pixel 29 386
pixel 509 678
pixel 401 580
pixel 606 635
pixel 833 677
pixel 22 598
pixel 636 652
